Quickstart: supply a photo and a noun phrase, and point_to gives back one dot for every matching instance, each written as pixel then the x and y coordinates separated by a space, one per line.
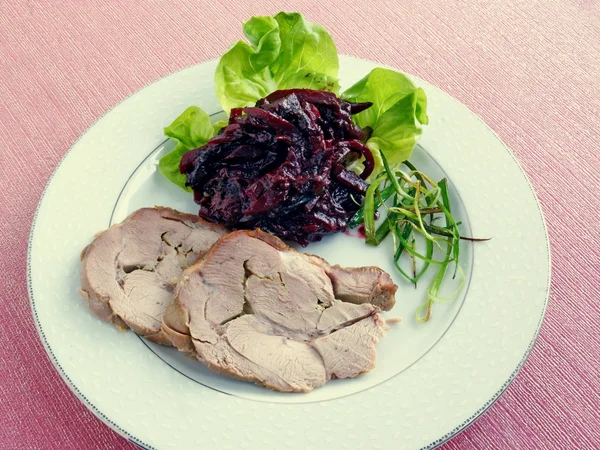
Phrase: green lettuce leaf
pixel 192 129
pixel 399 109
pixel 282 52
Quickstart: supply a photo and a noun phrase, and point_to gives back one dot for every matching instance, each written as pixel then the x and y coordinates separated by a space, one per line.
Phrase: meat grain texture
pixel 257 310
pixel 128 272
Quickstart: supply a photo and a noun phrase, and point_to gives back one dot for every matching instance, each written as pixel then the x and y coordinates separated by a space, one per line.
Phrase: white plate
pixel 431 380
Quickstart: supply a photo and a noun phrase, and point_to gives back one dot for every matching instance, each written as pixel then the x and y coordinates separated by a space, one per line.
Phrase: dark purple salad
pixel 281 166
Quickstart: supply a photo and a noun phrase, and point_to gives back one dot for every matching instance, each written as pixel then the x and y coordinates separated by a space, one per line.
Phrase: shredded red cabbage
pixel 281 166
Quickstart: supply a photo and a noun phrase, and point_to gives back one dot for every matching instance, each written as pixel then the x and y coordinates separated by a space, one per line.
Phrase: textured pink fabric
pixel 529 68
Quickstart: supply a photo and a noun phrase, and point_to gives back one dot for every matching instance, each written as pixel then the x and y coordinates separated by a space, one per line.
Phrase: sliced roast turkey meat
pixel 128 272
pixel 257 310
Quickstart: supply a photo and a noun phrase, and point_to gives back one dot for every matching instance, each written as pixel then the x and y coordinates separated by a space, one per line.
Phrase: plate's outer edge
pixel 443 431
pixel 488 404
pixel 136 441
pixel 514 374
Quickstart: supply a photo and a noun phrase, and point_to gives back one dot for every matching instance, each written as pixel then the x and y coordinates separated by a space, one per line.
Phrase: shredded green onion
pixel 413 202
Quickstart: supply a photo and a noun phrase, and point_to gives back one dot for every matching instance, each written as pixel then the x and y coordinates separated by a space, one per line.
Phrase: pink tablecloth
pixel 529 68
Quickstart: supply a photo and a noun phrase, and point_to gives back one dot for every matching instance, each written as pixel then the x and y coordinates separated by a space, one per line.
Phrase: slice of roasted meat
pixel 128 272
pixel 255 309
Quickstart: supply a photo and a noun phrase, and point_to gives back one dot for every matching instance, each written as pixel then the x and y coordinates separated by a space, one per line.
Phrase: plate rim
pixel 139 442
